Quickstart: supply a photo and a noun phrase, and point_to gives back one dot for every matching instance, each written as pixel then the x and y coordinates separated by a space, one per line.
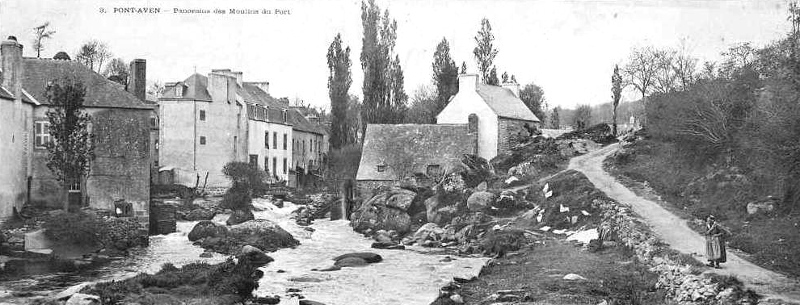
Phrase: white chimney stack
pixel 467 82
pixel 514 87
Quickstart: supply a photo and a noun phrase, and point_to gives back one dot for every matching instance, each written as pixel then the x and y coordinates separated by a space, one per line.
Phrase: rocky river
pixel 411 276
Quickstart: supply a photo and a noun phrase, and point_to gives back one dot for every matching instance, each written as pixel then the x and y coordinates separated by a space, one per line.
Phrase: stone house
pixel 309 147
pixel 119 125
pixel 501 114
pixel 203 126
pixel 394 154
pixel 269 131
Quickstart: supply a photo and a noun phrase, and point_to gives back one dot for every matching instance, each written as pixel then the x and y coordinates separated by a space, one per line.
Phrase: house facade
pixel 269 133
pixel 501 114
pixel 203 126
pixel 119 127
pixel 309 148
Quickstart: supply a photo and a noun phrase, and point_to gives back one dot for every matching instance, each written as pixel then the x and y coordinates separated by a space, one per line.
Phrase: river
pixel 411 276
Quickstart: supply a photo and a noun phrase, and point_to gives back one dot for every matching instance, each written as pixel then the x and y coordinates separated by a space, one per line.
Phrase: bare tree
pixel 706 119
pixel 583 117
pixel 93 54
pixel 665 77
pixel 641 69
pixel 117 70
pixel 685 66
pixel 41 33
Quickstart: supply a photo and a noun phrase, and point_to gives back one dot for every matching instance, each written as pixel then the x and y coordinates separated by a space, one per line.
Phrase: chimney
pixel 264 86
pixel 467 82
pixel 137 78
pixel 11 53
pixel 239 77
pixel 514 87
pixel 218 87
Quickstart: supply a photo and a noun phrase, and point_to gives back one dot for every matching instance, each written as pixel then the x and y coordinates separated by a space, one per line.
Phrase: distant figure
pixel 715 242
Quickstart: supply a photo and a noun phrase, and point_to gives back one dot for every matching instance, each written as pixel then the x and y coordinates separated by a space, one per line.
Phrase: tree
pixel 384 96
pixel 583 116
pixel 513 79
pixel 665 78
pixel 616 93
pixel 505 77
pixel 533 97
pixel 685 67
pixel 445 76
pixel 156 89
pixel 93 54
pixel 339 80
pixel 554 118
pixel 484 50
pixel 424 104
pixel 641 69
pixel 41 33
pixel 71 151
pixel 355 127
pixel 492 80
pixel 463 67
pixel 117 71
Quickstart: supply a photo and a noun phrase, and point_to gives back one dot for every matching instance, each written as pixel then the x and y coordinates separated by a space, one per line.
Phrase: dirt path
pixel 678 235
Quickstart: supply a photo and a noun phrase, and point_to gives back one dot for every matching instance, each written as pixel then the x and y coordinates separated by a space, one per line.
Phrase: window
pixel 153 122
pixel 304 146
pixel 284 166
pixel 311 145
pixel 202 140
pixel 284 142
pixel 179 90
pixel 285 116
pixel 266 139
pixel 202 115
pixel 275 165
pixel 381 168
pixel 42 134
pixel 266 164
pixel 254 161
pixel 433 170
pixel 275 140
pixel 235 148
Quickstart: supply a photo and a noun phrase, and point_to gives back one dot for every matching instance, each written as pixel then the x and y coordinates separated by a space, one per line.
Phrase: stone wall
pixel 506 128
pixel 679 280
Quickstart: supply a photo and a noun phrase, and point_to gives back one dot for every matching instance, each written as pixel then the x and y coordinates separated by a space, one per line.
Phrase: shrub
pixel 73 228
pixel 247 177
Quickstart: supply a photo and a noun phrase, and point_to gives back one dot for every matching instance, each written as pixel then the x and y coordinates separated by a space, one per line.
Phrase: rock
pixel 351 262
pixel 574 277
pixel 479 201
pixel 83 299
pixel 309 302
pixel 369 257
pixel 383 237
pixel 400 199
pixel 429 231
pixel 278 203
pixel 431 206
pixel 482 187
pixel 758 207
pixel 387 246
pixel 66 293
pixel 262 234
pixel 267 300
pixel 199 214
pixel 206 254
pixel 239 216
pixel 457 298
pixel 373 218
pixel 207 228
pixel 331 268
pixel 36 240
pixel 256 256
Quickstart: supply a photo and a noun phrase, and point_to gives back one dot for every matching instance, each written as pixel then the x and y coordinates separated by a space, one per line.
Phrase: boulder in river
pixel 371 217
pixel 207 228
pixel 351 262
pixel 369 257
pixel 239 216
pixel 256 256
pixel 83 299
pixel 262 234
pixel 199 214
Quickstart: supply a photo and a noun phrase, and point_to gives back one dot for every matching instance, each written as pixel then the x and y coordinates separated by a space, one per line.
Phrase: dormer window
pixel 381 167
pixel 285 116
pixel 179 90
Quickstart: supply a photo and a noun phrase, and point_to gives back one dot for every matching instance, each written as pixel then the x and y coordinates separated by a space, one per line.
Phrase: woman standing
pixel 715 242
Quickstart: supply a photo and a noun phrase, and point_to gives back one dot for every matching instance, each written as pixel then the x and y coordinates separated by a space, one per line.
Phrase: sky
pixel 569 48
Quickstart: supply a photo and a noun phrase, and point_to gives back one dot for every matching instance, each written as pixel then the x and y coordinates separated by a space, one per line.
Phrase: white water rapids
pixel 406 277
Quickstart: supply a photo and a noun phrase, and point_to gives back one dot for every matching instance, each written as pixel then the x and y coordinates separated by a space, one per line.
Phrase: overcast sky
pixel 569 48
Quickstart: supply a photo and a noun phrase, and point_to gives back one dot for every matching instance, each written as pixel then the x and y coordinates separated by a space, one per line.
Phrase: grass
pixel 612 275
pixel 768 240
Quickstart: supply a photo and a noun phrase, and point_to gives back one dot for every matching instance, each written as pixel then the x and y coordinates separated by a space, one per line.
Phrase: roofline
pixel 29 96
pixel 108 107
pixel 518 119
pixel 182 99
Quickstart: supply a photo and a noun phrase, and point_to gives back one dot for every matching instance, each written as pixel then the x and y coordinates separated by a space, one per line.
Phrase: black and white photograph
pixel 408 152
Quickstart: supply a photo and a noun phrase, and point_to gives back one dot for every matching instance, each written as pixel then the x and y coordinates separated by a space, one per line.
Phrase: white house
pixel 501 114
pixel 269 132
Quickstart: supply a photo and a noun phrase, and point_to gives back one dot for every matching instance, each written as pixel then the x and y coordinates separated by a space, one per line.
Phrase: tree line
pixel 384 98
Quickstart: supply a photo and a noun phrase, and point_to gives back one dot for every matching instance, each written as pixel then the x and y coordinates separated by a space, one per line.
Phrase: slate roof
pixel 299 122
pixel 195 89
pixel 421 144
pixel 260 97
pixel 100 92
pixel 505 103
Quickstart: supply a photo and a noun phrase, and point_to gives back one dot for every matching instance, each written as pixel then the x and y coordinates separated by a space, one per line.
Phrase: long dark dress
pixel 715 243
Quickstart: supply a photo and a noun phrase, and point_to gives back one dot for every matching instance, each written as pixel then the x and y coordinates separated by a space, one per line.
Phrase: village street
pixel 674 230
